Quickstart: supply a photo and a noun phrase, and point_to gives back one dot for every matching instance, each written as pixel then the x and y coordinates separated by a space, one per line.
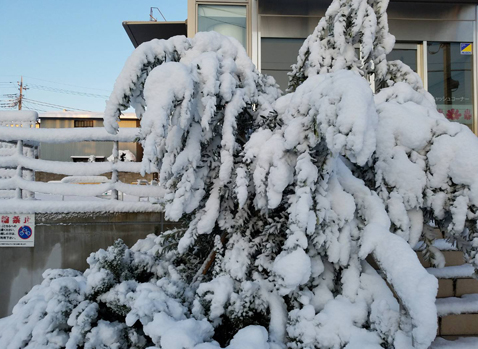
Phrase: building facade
pixel 435 38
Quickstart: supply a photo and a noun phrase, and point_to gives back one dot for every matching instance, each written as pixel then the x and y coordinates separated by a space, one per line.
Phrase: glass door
pixel 446 69
pixel 450 79
pixel 410 53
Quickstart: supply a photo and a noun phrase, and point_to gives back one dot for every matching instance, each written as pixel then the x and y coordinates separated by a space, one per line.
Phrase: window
pixel 407 53
pixel 450 80
pixel 229 20
pixel 277 55
pixel 83 123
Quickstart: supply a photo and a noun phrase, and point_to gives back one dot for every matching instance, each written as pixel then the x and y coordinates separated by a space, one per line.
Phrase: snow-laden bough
pixel 284 200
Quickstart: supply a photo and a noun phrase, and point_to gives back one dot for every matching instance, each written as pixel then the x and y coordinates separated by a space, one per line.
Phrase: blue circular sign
pixel 25 232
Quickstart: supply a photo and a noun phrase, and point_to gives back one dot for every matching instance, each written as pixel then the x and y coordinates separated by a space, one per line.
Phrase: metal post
pixel 19 191
pixel 114 173
pixel 425 64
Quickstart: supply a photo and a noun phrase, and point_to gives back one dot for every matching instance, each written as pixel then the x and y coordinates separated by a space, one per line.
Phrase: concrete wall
pixel 65 241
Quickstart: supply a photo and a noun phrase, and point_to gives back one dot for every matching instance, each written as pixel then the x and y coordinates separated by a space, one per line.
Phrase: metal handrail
pixel 18 162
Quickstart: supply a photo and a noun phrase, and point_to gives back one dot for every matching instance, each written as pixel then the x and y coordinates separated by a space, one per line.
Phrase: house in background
pixel 19 118
pixel 85 151
pixel 81 151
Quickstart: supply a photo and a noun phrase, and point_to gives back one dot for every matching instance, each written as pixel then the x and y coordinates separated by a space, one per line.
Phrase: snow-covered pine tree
pixel 282 200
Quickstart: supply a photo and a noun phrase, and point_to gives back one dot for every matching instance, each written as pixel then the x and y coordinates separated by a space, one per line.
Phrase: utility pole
pixel 16 99
pixel 21 94
pixel 21 88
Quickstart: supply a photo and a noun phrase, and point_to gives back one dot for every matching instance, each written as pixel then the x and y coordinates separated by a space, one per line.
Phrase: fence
pixel 19 190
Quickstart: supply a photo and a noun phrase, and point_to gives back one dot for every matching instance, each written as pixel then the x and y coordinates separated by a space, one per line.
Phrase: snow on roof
pixel 81 115
pixel 18 115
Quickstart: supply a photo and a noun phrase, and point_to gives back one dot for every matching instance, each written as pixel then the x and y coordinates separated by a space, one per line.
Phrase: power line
pixel 70 92
pixel 56 106
pixel 51 105
pixel 29 107
pixel 61 83
pixel 15 100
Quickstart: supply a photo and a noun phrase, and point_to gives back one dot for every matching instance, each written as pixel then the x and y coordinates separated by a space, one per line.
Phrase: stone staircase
pixel 457 300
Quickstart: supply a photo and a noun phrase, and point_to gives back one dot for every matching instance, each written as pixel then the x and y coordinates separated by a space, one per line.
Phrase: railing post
pixel 19 191
pixel 114 173
pixel 29 174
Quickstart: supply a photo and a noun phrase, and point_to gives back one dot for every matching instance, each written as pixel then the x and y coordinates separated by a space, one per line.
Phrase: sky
pixel 66 47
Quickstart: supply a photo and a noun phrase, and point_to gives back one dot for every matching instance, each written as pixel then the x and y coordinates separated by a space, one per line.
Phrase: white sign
pixel 17 230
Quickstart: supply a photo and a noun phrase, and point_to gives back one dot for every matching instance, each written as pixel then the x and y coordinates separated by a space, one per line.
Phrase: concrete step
pixel 466 286
pixel 458 325
pixel 454 342
pixel 458 316
pixel 452 258
pixel 456 287
pixel 455 281
pixel 457 305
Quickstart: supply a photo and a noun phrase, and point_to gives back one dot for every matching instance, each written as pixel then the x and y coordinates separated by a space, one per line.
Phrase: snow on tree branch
pixel 283 200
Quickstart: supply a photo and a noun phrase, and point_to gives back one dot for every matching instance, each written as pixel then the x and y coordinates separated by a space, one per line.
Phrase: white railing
pixel 16 162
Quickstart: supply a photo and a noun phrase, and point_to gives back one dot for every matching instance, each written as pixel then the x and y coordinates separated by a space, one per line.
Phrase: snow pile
pixel 282 199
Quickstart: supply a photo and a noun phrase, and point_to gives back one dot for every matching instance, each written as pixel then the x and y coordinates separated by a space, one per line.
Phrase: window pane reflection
pixel 277 55
pixel 407 56
pixel 450 81
pixel 225 19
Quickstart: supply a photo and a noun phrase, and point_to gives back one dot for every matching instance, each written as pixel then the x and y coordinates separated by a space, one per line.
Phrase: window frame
pixel 228 3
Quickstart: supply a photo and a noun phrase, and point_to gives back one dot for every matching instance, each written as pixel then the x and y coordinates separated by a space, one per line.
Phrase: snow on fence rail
pixel 16 162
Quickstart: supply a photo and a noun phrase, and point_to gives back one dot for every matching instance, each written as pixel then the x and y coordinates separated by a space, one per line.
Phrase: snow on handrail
pixel 15 161
pixel 76 189
pixel 100 206
pixel 68 168
pixel 67 135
